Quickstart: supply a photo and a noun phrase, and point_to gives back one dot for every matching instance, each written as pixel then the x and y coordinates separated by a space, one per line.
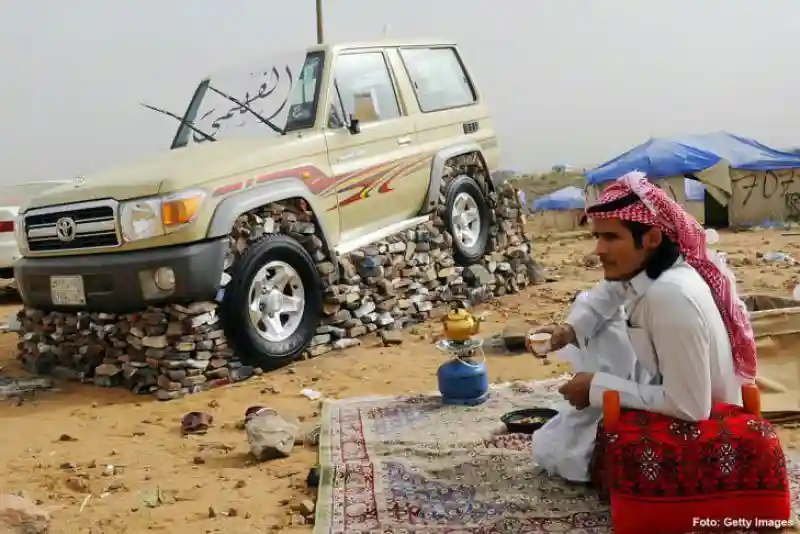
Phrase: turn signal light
pixel 179 211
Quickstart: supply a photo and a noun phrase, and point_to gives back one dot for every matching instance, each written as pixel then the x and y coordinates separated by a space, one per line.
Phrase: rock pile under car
pixel 175 350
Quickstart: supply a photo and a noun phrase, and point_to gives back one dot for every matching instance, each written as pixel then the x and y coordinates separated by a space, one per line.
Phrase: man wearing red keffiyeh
pixel 683 446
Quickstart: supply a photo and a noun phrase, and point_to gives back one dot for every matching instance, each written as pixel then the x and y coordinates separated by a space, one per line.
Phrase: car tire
pixel 277 266
pixel 467 218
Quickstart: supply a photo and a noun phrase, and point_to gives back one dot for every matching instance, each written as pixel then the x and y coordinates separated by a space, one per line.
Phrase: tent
pixel 568 198
pixel 740 174
pixel 691 154
pixel 562 210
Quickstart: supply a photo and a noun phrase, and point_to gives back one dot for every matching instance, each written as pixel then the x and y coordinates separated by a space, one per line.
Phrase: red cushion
pixel 664 475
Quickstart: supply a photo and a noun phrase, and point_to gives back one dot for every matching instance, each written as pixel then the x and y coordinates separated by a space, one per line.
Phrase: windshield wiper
pixel 248 109
pixel 183 121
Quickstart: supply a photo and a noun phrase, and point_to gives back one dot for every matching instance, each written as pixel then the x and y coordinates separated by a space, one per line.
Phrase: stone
pixel 239 374
pixel 319 350
pixel 320 339
pixel 346 343
pixel 156 342
pixel 306 509
pixel 107 369
pixel 78 484
pixel 477 275
pixel 325 268
pixel 270 436
pixel 18 515
pixel 391 337
pixel 514 336
pixel 357 331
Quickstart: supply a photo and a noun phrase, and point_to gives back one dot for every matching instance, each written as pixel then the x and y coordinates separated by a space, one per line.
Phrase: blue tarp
pixel 569 198
pixel 694 190
pixel 677 156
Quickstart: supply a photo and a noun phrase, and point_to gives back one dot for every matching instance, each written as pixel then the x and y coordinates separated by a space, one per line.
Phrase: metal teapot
pixel 460 325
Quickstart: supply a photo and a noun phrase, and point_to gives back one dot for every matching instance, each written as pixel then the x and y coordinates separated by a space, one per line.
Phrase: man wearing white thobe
pixel 651 331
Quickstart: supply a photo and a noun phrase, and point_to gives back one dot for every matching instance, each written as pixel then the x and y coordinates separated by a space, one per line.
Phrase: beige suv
pixel 370 139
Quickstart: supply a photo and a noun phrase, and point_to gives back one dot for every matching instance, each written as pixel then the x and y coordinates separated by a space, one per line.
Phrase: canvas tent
pixel 562 210
pixel 750 181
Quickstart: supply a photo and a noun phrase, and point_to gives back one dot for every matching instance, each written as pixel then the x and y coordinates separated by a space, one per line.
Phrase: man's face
pixel 617 250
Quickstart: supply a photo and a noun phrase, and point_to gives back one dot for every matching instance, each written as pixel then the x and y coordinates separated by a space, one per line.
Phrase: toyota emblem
pixel 65 229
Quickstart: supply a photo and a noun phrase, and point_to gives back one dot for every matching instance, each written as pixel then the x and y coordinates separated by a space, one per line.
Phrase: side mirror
pixel 354 126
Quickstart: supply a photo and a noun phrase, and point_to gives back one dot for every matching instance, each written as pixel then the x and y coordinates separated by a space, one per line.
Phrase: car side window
pixel 363 89
pixel 303 103
pixel 439 78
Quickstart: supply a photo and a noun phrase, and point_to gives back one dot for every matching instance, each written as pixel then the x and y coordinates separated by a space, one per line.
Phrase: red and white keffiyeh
pixel 659 210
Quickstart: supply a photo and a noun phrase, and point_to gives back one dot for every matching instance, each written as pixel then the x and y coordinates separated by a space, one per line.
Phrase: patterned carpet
pixel 411 465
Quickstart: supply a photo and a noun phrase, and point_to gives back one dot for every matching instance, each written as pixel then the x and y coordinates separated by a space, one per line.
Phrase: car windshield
pixel 271 98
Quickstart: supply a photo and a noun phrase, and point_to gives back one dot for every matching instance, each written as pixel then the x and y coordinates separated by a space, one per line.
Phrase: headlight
pixel 19 233
pixel 151 217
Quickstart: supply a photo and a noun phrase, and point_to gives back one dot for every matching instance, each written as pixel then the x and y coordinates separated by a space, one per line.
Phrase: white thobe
pixel 661 343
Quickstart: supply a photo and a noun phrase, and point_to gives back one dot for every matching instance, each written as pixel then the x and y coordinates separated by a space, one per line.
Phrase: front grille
pixel 86 225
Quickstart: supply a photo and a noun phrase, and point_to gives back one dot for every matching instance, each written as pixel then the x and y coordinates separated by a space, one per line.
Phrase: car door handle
pixel 405 140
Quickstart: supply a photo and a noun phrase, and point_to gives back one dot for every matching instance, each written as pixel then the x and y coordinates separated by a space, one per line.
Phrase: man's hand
pixel 561 335
pixel 576 391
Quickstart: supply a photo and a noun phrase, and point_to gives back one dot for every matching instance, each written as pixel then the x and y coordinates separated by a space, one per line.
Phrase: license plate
pixel 67 291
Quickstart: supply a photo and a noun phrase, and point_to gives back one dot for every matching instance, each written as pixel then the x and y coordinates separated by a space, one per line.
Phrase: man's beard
pixel 625 277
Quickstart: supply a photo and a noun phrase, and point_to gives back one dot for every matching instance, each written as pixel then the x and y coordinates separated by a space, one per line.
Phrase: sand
pixel 126 451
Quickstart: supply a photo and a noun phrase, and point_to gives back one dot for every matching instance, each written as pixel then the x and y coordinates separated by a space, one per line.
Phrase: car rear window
pixel 439 78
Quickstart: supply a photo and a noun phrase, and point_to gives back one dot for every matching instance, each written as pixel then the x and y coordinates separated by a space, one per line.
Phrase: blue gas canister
pixel 463 381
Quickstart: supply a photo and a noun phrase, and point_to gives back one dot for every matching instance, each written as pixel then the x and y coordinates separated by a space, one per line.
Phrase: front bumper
pixel 123 282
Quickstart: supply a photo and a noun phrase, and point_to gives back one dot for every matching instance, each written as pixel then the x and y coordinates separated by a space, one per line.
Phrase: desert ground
pixel 106 461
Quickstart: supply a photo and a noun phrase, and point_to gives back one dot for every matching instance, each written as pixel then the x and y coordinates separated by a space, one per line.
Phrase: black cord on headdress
pixel 614 205
pixel 667 252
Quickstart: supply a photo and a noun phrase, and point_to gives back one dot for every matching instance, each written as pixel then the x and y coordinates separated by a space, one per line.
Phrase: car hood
pixel 20 194
pixel 180 168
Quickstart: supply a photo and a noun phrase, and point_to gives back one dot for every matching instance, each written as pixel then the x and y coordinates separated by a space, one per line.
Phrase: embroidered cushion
pixel 664 475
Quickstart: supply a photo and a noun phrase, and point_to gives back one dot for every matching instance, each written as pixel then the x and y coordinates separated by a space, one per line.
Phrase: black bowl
pixel 511 419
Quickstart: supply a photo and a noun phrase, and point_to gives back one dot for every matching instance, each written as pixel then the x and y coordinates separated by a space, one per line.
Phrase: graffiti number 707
pixel 771 184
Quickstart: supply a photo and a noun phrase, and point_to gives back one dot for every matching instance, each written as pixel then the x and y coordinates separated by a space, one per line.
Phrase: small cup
pixel 539 343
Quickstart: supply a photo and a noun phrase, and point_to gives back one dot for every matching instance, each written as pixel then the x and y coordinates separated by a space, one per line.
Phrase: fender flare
pixel 232 207
pixel 437 171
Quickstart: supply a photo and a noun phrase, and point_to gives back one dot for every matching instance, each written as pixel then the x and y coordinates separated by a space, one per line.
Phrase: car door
pixel 371 164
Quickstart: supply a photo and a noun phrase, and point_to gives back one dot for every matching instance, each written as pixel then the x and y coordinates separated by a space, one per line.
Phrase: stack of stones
pixel 175 350
pixel 167 351
pixel 412 276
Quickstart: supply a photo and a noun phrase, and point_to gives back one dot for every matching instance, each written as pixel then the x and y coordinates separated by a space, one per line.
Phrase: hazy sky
pixel 569 81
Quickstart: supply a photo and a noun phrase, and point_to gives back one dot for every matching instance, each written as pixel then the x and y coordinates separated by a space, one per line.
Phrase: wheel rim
pixel 466 220
pixel 277 301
